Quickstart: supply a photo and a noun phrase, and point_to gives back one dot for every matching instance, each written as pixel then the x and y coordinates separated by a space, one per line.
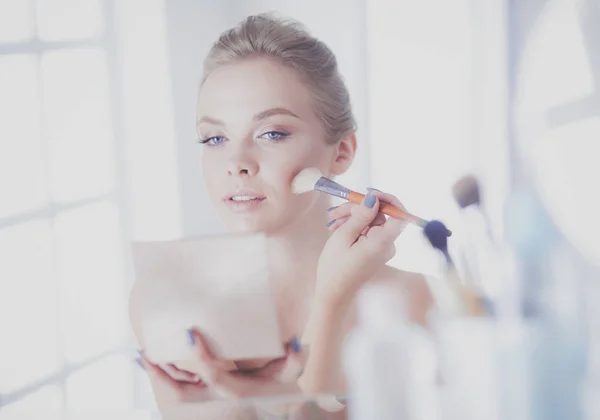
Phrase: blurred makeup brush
pixel 470 302
pixel 312 179
pixel 466 192
pixel 480 251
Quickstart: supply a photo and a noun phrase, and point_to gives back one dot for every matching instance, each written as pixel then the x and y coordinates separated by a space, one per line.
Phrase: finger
pixel 181 375
pixel 343 210
pixel 286 369
pixel 387 198
pixel 223 382
pixel 339 215
pixel 362 216
pixel 297 352
pixel 393 226
pixel 203 353
pixel 268 371
pixel 379 220
pixel 158 374
pixel 209 370
pixel 297 355
pixel 379 243
pixel 203 349
pixel 336 223
pixel 330 404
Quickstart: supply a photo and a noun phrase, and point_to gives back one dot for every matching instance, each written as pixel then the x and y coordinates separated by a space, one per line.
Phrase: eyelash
pixel 209 141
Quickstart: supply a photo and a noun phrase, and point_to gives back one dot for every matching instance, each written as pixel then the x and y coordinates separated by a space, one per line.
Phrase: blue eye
pixel 274 135
pixel 212 141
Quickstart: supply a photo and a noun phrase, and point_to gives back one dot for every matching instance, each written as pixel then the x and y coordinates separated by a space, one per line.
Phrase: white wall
pixel 192 27
pixel 421 111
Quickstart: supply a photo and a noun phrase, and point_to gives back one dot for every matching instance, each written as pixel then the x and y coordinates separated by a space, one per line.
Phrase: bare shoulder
pixel 414 285
pixel 407 277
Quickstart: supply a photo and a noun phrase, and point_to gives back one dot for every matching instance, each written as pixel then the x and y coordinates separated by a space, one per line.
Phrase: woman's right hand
pixel 360 246
pixel 361 243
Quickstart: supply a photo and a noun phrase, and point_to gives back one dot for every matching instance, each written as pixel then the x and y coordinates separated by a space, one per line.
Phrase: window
pixel 62 274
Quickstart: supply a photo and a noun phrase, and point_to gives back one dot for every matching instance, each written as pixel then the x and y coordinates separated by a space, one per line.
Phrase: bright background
pixel 97 148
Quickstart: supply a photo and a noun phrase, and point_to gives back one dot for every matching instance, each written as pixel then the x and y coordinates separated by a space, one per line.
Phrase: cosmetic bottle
pixel 548 274
pixel 388 361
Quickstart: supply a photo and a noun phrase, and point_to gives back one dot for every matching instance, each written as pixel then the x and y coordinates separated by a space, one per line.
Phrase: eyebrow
pixel 274 111
pixel 258 117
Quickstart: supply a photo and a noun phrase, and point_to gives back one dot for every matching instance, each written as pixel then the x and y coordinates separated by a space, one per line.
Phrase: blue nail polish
pixel 369 200
pixel 191 338
pixel 139 362
pixel 373 189
pixel 295 344
pixel 332 208
pixel 331 222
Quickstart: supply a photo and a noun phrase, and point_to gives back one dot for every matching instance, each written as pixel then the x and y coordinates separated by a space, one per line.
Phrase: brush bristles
pixel 437 234
pixel 305 181
pixel 466 191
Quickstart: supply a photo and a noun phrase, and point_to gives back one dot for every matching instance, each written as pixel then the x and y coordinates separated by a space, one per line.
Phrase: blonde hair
pixel 289 43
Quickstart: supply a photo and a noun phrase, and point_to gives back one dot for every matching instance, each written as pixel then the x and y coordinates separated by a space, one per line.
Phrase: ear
pixel 344 154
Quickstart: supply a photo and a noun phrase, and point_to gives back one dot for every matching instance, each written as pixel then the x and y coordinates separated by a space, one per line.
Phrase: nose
pixel 242 165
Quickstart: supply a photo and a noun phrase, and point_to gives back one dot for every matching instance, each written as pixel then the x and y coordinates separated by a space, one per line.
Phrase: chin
pixel 269 220
pixel 267 227
pixel 248 226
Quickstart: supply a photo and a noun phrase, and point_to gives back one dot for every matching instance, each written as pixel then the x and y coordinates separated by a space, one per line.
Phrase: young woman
pixel 272 103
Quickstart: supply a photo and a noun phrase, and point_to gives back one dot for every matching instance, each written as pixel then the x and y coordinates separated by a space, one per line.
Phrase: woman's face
pixel 260 129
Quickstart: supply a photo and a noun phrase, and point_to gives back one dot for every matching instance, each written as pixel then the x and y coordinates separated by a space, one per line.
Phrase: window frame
pixel 106 42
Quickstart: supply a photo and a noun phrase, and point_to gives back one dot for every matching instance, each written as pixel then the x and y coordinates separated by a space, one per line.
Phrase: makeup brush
pixel 466 195
pixel 312 179
pixel 481 249
pixel 470 301
pixel 466 192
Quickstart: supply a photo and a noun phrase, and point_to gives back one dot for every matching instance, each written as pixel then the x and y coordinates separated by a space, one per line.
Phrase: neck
pixel 295 250
pixel 294 254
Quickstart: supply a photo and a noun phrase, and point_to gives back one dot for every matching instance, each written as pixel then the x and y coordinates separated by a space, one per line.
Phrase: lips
pixel 244 201
pixel 244 196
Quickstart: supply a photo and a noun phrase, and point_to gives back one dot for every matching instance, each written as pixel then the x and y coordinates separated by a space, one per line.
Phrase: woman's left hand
pixel 223 384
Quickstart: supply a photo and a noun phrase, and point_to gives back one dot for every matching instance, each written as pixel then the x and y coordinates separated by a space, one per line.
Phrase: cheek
pixel 210 173
pixel 302 202
pixel 317 158
pixel 315 154
pixel 283 176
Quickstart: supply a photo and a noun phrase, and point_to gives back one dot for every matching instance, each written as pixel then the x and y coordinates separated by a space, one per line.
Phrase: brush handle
pixel 389 210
